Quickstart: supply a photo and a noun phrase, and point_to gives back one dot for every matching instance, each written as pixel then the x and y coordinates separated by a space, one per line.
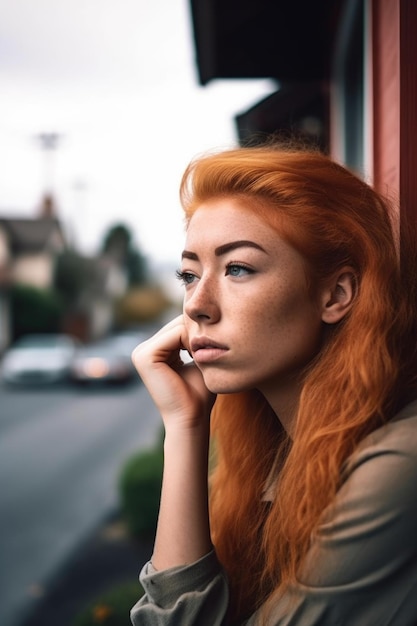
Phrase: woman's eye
pixel 185 277
pixel 237 270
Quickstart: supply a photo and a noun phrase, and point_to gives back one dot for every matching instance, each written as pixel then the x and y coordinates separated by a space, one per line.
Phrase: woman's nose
pixel 202 303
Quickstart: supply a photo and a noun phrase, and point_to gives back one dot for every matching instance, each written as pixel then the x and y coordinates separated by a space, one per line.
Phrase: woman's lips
pixel 204 350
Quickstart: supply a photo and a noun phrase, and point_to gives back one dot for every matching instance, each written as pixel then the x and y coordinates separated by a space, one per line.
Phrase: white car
pixel 38 358
pixel 106 361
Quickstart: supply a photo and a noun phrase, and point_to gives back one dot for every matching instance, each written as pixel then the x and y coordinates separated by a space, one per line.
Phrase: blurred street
pixel 61 452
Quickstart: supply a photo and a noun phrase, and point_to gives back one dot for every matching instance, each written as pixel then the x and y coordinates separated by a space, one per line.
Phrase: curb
pixel 107 558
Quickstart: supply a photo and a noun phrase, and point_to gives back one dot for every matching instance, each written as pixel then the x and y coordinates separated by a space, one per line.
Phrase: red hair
pixel 364 372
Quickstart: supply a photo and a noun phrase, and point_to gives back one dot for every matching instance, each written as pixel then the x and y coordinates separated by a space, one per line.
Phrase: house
pixel 93 313
pixel 28 248
pixel 31 250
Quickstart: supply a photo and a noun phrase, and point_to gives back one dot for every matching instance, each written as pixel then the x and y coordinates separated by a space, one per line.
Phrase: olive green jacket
pixel 361 569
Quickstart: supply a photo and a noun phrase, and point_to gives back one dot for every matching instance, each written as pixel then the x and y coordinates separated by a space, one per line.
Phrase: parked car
pixel 126 341
pixel 38 358
pixel 106 361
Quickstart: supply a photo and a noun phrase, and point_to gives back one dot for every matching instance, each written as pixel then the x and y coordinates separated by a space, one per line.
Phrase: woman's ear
pixel 339 295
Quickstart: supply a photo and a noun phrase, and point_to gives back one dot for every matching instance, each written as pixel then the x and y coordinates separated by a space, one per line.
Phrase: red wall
pixel 394 67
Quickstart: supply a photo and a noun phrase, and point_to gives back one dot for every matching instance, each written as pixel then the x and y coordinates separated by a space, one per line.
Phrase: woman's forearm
pixel 183 532
pixel 184 402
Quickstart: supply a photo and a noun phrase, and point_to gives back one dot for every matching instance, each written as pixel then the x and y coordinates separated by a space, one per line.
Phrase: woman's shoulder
pixel 398 436
pixel 362 562
pixel 384 466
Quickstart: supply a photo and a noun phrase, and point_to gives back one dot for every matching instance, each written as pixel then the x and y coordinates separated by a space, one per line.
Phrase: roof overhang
pixel 290 41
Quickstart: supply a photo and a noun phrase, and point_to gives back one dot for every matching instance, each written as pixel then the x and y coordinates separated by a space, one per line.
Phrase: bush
pixel 34 310
pixel 140 490
pixel 112 608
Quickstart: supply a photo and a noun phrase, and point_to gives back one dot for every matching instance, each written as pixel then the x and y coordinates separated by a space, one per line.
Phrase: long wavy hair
pixel 362 375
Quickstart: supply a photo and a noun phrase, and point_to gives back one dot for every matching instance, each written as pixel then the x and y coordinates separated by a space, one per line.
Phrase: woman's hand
pixel 177 388
pixel 179 392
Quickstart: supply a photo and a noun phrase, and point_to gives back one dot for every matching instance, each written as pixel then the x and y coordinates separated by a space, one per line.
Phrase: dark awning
pixel 289 40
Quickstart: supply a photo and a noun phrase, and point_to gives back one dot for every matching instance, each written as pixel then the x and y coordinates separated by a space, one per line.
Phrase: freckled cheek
pixel 286 316
pixel 281 307
pixel 259 322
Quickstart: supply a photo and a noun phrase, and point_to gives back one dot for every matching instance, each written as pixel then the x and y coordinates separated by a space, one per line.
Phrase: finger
pixel 165 346
pixel 176 323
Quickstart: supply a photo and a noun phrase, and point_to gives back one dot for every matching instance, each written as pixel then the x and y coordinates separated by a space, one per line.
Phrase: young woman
pixel 302 325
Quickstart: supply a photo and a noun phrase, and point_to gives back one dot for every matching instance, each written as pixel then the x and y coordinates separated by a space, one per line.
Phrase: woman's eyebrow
pixel 187 254
pixel 225 248
pixel 233 245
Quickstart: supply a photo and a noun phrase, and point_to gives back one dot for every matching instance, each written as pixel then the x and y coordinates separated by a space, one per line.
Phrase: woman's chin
pixel 222 386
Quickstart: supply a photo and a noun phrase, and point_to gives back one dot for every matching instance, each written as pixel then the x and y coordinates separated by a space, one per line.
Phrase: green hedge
pixel 111 608
pixel 140 490
pixel 34 310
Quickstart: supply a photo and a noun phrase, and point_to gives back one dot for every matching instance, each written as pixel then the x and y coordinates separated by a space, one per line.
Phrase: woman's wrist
pixel 185 428
pixel 187 445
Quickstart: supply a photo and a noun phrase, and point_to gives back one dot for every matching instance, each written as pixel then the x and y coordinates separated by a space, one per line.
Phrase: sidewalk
pixel 109 557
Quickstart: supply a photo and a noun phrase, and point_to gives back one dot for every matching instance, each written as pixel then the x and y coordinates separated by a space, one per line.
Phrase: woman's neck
pixel 284 399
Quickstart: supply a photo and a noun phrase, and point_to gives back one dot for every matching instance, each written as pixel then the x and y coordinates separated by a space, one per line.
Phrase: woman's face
pixel 251 319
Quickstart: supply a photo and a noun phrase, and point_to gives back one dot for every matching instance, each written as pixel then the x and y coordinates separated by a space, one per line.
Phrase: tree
pixel 73 274
pixel 118 244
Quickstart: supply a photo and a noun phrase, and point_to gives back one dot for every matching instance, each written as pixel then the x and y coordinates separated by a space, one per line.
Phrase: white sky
pixel 117 80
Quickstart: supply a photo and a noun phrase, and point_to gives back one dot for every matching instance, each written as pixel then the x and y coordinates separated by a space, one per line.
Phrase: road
pixel 61 451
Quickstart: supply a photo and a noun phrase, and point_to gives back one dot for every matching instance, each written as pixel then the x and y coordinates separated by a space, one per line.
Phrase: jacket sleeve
pixel 195 594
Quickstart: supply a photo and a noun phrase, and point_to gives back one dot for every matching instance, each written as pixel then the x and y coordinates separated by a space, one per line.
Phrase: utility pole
pixel 49 143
